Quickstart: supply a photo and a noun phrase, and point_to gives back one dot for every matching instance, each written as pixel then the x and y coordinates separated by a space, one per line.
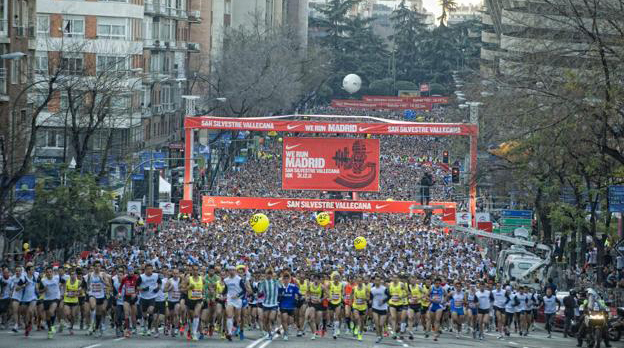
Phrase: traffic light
pixel 455 175
pixel 445 157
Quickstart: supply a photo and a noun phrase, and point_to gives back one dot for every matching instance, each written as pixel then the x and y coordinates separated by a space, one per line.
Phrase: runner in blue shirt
pixel 288 295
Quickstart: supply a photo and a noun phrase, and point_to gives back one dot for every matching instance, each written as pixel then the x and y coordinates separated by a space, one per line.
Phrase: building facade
pixel 17 21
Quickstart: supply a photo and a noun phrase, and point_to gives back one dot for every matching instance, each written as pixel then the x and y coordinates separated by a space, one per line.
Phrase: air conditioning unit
pixel 193 46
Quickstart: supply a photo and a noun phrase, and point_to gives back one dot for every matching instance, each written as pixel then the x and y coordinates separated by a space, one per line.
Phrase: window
pixel 72 66
pixel 165 97
pixel 165 30
pixel 41 64
pixel 51 138
pixel 155 62
pixel 166 63
pixel 15 63
pixel 111 28
pixel 111 63
pixel 73 27
pixel 43 25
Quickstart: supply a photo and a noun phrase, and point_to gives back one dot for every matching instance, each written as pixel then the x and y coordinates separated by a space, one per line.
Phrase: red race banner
pixel 271 124
pixel 402 104
pixel 485 226
pixel 302 204
pixel 154 216
pixel 207 214
pixel 332 164
pixel 186 206
pixel 387 99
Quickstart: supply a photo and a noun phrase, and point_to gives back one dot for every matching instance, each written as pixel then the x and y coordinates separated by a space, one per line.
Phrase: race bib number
pixel 175 295
pixel 196 294
pixel 71 294
pixel 335 297
pixel 130 290
pixel 315 298
pixel 359 301
pixel 436 298
pixel 96 287
pixel 395 297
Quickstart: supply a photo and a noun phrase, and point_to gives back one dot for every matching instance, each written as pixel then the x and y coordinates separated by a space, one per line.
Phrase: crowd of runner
pixel 218 281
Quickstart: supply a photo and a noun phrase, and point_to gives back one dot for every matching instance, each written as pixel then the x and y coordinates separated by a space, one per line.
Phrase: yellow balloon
pixel 259 223
pixel 26 246
pixel 279 139
pixel 323 219
pixel 359 243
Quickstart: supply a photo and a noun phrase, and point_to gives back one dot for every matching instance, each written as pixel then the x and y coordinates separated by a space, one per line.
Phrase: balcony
pixel 193 46
pixel 194 16
pixel 4 31
pixel 157 110
pixel 149 8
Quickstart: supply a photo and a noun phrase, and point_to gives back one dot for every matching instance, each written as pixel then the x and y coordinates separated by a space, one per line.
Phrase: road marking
pixel 403 343
pixel 94 345
pixel 263 345
pixel 255 343
pixel 119 339
pixel 514 343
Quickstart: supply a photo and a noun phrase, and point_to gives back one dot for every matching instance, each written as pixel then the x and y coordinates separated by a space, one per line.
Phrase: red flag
pixel 154 216
pixel 186 206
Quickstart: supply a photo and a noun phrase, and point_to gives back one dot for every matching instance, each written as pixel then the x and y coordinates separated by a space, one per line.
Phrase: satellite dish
pixel 352 83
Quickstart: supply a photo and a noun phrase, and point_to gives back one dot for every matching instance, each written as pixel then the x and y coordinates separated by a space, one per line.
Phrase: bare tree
pixel 260 70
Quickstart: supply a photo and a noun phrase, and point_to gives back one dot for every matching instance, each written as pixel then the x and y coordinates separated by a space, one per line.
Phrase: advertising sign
pixel 167 207
pixel 405 128
pixel 387 105
pixel 154 215
pixel 207 214
pixel 332 164
pixel 186 206
pixel 134 208
pixel 262 203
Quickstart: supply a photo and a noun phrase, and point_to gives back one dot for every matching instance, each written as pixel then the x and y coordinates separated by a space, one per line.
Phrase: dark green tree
pixel 74 212
pixel 409 32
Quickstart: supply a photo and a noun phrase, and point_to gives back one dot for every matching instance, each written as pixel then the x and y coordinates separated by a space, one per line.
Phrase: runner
pixel 235 290
pixel 336 294
pixel 70 298
pixel 484 300
pixel 361 296
pixel 98 282
pixel 50 286
pixel 436 308
pixel 458 300
pixel 195 285
pixel 315 309
pixel 380 296
pixel 288 294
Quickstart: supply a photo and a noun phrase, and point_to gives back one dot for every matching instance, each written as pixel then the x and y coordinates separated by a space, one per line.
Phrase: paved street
pixel 39 339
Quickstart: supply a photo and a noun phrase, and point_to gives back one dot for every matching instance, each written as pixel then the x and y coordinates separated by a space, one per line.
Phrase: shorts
pixel 474 311
pixel 398 308
pixel 98 301
pixel 300 303
pixel 4 305
pixel 48 303
pixel 192 304
pixel 317 306
pixel 146 304
pixel 26 303
pixel 171 305
pixel 499 310
pixel 130 300
pixel 434 307
pixel 238 303
pixel 424 309
pixel 458 311
pixel 159 307
pixel 415 307
pixel 269 308
pixel 221 302
pixel 380 311
pixel 483 311
pixel 362 312
pixel 333 307
pixel 534 312
pixel 289 311
pixel 508 318
pixel 81 300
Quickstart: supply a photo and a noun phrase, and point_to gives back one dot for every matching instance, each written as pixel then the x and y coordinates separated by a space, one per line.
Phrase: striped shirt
pixel 270 289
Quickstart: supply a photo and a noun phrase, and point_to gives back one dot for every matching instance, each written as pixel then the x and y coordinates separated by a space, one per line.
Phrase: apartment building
pixel 146 44
pixel 16 52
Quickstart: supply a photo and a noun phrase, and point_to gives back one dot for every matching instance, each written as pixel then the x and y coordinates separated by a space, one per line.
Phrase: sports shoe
pixel 359 337
pixel 285 337
pixel 194 337
pixel 378 339
pixel 49 334
pixel 313 336
pixel 241 335
pixel 549 336
pixel 299 333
